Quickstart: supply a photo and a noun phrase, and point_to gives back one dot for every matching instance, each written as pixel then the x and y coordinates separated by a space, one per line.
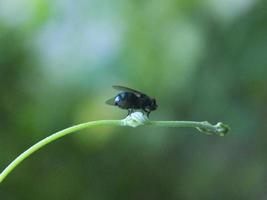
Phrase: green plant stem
pixel 201 126
pixel 52 138
pixel 179 124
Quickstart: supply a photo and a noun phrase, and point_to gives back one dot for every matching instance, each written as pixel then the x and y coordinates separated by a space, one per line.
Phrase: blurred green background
pixel 201 60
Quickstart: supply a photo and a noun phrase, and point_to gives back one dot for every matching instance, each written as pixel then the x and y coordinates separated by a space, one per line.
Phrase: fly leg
pixel 147 114
pixel 130 111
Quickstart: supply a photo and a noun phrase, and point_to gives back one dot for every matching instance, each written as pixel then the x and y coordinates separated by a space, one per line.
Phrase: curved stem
pixel 133 120
pixel 51 138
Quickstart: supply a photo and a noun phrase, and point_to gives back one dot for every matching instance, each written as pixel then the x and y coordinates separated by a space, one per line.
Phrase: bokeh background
pixel 201 60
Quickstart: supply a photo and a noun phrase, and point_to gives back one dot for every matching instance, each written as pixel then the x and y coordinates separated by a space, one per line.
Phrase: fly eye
pixel 116 100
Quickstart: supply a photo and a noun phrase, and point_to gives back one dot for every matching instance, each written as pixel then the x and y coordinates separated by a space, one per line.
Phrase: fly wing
pixel 110 101
pixel 126 89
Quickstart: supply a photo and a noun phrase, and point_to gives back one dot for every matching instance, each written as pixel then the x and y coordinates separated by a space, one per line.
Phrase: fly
pixel 132 100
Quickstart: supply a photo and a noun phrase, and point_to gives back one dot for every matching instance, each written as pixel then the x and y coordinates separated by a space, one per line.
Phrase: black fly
pixel 131 100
